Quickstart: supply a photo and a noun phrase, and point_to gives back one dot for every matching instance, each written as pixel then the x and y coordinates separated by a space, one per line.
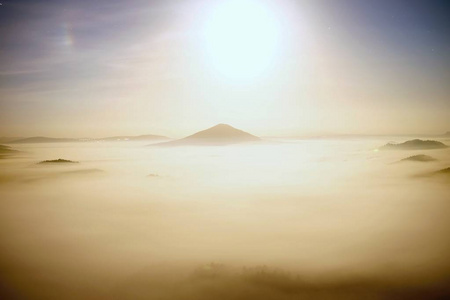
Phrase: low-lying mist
pixel 318 219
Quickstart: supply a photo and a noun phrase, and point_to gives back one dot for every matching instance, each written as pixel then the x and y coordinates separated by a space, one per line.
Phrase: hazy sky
pixel 97 68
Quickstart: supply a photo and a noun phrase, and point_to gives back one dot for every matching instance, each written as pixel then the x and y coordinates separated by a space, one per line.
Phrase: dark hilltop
pixel 415 145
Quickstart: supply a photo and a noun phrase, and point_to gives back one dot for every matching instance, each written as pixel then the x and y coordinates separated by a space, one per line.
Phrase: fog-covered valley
pixel 285 219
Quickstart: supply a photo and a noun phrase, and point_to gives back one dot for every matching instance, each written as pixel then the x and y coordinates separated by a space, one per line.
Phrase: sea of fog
pixel 287 219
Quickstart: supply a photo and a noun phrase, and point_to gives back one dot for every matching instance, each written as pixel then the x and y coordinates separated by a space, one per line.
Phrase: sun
pixel 242 38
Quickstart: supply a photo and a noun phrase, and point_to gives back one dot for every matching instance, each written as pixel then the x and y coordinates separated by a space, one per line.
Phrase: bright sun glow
pixel 242 38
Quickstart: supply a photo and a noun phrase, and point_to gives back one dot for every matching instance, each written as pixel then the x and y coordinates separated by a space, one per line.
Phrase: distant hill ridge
pixel 43 139
pixel 146 137
pixel 218 132
pixel 415 145
pixel 5 139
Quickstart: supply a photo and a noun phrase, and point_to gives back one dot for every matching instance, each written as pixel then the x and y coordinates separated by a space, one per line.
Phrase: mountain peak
pixel 223 125
pixel 220 134
pixel 222 131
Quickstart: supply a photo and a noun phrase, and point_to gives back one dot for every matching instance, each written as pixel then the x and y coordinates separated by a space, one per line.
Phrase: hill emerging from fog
pixel 419 158
pixel 58 161
pixel 440 174
pixel 443 172
pixel 415 145
pixel 221 134
pixel 6 151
